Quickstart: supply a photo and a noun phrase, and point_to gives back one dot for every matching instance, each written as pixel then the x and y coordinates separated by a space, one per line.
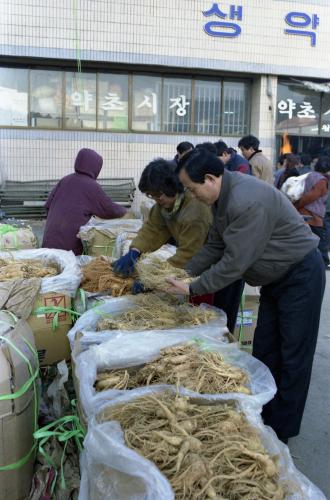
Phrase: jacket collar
pixel 220 206
pixel 253 154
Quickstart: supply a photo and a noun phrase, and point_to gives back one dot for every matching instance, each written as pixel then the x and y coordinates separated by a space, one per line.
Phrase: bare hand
pixel 177 287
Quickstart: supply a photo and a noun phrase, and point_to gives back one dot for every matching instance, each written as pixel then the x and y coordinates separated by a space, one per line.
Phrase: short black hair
pixel 292 161
pixel 249 141
pixel 182 147
pixel 322 165
pixel 305 158
pixel 160 177
pixel 221 148
pixel 200 163
pixel 282 157
pixel 209 146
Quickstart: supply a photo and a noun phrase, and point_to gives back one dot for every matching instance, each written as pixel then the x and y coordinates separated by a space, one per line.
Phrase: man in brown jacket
pixel 176 215
pixel 261 166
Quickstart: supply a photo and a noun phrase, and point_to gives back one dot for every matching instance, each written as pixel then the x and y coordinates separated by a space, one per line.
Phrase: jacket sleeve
pixel 245 239
pixel 153 234
pixel 104 207
pixel 210 253
pixel 320 189
pixel 192 236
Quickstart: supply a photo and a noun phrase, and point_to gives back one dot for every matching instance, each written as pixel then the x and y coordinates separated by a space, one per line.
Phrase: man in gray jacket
pixel 259 236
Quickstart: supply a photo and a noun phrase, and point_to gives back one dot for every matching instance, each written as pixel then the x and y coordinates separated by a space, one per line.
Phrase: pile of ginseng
pixel 153 273
pixel 98 276
pixel 198 370
pixel 152 311
pixel 26 268
pixel 205 451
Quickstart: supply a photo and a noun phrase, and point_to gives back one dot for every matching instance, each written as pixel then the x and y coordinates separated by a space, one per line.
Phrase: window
pixel 13 97
pixel 325 116
pixel 298 109
pixel 146 112
pixel 46 99
pixel 207 107
pixel 176 105
pixel 235 108
pixel 59 99
pixel 112 102
pixel 80 105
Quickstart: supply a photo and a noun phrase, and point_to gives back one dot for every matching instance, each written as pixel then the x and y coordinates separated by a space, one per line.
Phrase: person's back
pixel 74 200
pixel 305 164
pixel 238 164
pixel 261 166
pixel 284 239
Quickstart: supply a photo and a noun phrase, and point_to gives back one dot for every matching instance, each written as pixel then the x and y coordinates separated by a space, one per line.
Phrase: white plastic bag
pixel 294 187
pixel 87 323
pixel 112 470
pixel 70 276
pixel 128 350
pixel 111 228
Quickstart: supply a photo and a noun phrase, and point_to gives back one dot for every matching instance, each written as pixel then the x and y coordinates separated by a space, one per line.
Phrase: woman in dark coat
pixel 74 200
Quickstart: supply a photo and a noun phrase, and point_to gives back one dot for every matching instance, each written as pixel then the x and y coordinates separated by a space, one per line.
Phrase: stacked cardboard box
pixel 18 412
pixel 247 317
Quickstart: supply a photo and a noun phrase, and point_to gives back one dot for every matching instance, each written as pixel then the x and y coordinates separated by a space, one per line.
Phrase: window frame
pixel 130 74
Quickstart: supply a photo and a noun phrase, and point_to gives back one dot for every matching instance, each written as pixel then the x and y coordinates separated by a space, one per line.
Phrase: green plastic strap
pixel 33 374
pixel 56 311
pixel 20 392
pixel 107 248
pixel 63 429
pixel 19 463
pixel 82 295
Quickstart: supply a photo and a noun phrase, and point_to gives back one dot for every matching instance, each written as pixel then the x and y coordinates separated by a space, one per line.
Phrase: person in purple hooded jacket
pixel 74 200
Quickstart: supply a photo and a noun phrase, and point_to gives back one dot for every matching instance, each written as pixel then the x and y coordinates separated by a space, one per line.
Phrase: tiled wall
pixel 168 33
pixel 152 32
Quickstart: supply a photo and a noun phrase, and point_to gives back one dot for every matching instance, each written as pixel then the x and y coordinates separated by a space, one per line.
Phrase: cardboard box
pixel 17 416
pixel 247 322
pixel 50 329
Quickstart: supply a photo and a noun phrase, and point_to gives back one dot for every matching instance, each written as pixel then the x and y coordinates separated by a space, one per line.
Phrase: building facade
pixel 133 78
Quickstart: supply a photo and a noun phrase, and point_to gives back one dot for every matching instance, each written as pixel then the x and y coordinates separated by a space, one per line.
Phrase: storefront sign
pixel 300 23
pixel 224 28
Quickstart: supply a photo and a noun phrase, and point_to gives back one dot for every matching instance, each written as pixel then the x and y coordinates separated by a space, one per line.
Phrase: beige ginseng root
pixel 205 451
pixel 153 311
pixel 202 371
pixel 153 273
pixel 98 276
pixel 26 268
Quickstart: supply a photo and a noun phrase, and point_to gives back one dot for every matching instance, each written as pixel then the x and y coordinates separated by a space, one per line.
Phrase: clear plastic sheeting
pixel 112 470
pixel 111 228
pixel 69 277
pixel 127 351
pixel 87 323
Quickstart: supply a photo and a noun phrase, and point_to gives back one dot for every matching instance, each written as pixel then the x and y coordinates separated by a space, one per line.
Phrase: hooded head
pixel 88 162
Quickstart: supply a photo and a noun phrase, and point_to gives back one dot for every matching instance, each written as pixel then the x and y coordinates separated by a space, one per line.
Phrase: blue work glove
pixel 138 287
pixel 125 266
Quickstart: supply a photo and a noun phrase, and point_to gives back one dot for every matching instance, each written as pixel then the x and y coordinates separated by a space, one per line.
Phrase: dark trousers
pixel 327 228
pixel 285 340
pixel 228 299
pixel 321 232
